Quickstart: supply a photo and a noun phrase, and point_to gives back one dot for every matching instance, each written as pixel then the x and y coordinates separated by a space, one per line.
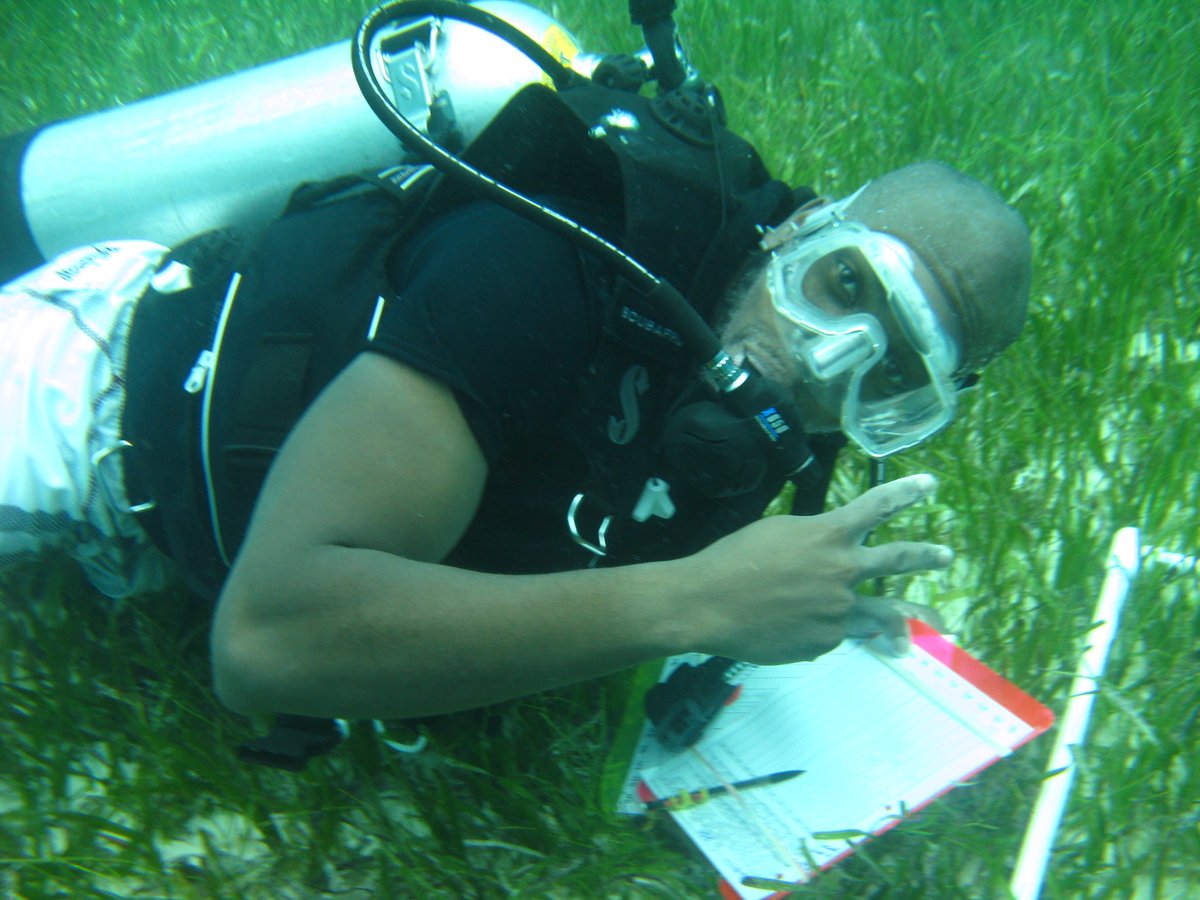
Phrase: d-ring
pixel 600 547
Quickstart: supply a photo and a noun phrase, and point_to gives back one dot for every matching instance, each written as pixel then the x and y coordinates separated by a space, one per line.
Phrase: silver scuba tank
pixel 228 152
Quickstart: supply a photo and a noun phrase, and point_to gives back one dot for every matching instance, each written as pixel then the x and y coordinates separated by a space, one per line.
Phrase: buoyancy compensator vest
pixel 265 326
pixel 220 370
pixel 681 476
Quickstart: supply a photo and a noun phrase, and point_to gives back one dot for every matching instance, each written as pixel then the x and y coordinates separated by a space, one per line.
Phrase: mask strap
pixel 808 219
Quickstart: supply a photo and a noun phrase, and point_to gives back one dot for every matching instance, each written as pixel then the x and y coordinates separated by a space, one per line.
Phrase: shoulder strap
pixel 691 204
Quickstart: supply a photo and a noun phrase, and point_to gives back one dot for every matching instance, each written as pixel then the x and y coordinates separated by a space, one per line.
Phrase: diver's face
pixel 840 283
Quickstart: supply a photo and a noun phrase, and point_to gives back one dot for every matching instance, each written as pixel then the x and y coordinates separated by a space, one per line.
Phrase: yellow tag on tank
pixel 556 40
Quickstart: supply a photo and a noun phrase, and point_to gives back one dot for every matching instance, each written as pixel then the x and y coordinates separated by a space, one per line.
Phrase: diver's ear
pixel 792 226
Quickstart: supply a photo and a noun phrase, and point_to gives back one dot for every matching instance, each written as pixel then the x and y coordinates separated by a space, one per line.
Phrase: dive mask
pixel 861 330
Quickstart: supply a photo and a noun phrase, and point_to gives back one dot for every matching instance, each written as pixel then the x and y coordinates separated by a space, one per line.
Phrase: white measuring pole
pixel 1123 561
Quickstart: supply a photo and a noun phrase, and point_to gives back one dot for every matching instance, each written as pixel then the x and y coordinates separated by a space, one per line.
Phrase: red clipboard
pixel 938 675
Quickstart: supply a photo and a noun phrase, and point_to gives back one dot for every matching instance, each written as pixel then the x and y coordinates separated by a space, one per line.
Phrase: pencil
pixel 685 799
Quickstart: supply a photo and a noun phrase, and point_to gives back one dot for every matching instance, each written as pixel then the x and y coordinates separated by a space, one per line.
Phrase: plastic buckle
pixel 682 707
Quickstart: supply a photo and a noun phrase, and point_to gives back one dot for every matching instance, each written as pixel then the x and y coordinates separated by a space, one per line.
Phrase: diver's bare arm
pixel 338 606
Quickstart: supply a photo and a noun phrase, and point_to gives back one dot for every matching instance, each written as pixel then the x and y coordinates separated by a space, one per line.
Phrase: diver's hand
pixel 782 589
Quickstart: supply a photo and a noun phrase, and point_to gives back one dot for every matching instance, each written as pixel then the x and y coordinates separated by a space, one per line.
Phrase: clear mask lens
pixel 863 334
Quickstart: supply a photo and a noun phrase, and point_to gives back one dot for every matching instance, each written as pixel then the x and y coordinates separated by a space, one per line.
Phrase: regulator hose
pixel 654 18
pixel 702 345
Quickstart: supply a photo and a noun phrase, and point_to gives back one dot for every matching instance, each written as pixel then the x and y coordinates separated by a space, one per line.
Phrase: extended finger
pixel 901 557
pixel 870 510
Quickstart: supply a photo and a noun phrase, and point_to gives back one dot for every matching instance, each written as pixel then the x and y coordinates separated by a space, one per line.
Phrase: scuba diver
pixel 426 453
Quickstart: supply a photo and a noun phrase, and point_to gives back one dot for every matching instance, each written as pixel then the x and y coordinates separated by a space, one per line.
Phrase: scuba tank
pixel 228 153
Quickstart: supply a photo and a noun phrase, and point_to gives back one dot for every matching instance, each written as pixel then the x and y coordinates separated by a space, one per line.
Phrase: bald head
pixel 976 246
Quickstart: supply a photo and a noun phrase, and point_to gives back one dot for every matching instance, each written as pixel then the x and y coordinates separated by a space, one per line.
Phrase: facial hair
pixel 749 335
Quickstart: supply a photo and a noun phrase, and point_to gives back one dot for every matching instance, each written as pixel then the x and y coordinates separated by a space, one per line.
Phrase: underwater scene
pixel 120 770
